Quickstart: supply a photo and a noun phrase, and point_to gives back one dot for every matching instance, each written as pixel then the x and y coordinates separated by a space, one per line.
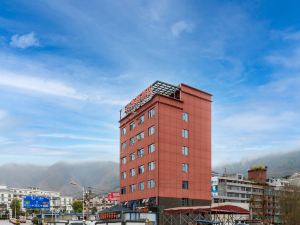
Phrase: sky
pixel 68 67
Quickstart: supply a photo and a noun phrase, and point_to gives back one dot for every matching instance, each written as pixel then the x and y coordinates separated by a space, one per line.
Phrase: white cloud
pixel 77 137
pixel 181 26
pixel 36 84
pixel 292 60
pixel 253 122
pixel 24 41
pixel 3 115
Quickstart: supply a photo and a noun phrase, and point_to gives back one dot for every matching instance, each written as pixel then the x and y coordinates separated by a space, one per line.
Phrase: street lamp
pixel 75 184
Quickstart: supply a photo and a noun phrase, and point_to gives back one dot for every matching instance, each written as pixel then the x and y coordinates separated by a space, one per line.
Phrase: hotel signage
pixel 137 102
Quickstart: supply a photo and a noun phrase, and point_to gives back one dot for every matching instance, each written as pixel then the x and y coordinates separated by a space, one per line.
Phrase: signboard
pixel 157 87
pixel 140 100
pixel 110 215
pixel 214 186
pixel 113 196
pixel 36 202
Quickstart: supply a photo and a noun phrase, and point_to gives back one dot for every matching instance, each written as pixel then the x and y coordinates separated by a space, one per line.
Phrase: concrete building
pixel 256 193
pixel 231 188
pixel 165 148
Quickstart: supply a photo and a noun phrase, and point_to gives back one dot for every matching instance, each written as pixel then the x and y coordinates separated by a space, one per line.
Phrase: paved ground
pixel 6 222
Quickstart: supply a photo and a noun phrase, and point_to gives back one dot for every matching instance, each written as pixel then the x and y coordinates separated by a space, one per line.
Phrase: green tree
pixel 77 206
pixel 94 210
pixel 15 206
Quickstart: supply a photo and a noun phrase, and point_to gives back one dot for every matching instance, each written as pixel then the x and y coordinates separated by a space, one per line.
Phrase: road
pixel 6 222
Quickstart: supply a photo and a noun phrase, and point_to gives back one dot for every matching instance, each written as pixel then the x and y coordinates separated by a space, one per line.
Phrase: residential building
pixel 256 193
pixel 165 148
pixel 57 202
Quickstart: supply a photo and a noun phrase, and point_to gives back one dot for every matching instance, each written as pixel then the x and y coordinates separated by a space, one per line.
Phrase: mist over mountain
pixel 279 165
pixel 101 176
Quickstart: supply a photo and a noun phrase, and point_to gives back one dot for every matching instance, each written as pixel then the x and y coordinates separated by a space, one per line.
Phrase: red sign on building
pixel 113 196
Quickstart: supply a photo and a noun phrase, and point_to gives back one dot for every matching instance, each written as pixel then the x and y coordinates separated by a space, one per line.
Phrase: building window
pixel 184 201
pixel 185 167
pixel 131 126
pixel 141 119
pixel 151 184
pixel 123 190
pixel 123 175
pixel 132 172
pixel 132 141
pixel 185 184
pixel 185 150
pixel 151 166
pixel 132 156
pixel 123 160
pixel 140 153
pixel 151 113
pixel 185 133
pixel 151 130
pixel 123 131
pixel 123 145
pixel 141 186
pixel 185 117
pixel 151 148
pixel 141 169
pixel 132 187
pixel 140 136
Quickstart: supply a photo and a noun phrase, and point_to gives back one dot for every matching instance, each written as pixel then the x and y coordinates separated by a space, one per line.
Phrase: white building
pixel 57 203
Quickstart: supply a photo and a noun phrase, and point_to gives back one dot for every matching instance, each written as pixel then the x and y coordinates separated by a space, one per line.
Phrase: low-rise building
pixel 257 193
pixel 58 203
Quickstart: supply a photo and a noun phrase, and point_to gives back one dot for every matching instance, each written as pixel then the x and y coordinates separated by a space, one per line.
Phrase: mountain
pixel 279 165
pixel 101 176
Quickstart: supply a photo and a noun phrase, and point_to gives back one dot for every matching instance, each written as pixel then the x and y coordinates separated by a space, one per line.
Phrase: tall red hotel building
pixel 165 148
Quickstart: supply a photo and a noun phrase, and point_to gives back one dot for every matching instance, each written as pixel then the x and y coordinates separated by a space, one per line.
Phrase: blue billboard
pixel 36 202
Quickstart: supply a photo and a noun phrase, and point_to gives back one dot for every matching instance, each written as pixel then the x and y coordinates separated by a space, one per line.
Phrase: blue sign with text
pixel 36 202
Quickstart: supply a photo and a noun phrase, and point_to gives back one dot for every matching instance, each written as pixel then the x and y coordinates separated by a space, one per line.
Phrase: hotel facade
pixel 165 148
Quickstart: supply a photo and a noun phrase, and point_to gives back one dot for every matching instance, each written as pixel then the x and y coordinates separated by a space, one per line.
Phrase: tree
pixel 15 206
pixel 77 206
pixel 289 201
pixel 94 210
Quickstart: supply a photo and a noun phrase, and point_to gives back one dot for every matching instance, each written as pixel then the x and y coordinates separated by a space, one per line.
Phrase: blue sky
pixel 67 67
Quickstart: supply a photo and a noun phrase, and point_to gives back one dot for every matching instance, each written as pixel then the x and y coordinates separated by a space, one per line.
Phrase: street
pixel 6 222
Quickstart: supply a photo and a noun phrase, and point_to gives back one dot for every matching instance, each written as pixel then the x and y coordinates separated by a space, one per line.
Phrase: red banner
pixel 113 196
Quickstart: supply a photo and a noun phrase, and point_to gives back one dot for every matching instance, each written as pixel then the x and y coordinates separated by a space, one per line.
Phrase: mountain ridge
pixel 102 176
pixel 279 164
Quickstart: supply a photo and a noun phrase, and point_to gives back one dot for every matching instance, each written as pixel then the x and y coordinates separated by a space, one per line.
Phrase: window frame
pixel 151 130
pixel 151 112
pixel 141 120
pixel 141 184
pixel 139 151
pixel 185 167
pixel 149 146
pixel 132 172
pixel 123 160
pixel 185 185
pixel 132 156
pixel 151 166
pixel 131 125
pixel 185 150
pixel 185 117
pixel 185 133
pixel 151 184
pixel 139 169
